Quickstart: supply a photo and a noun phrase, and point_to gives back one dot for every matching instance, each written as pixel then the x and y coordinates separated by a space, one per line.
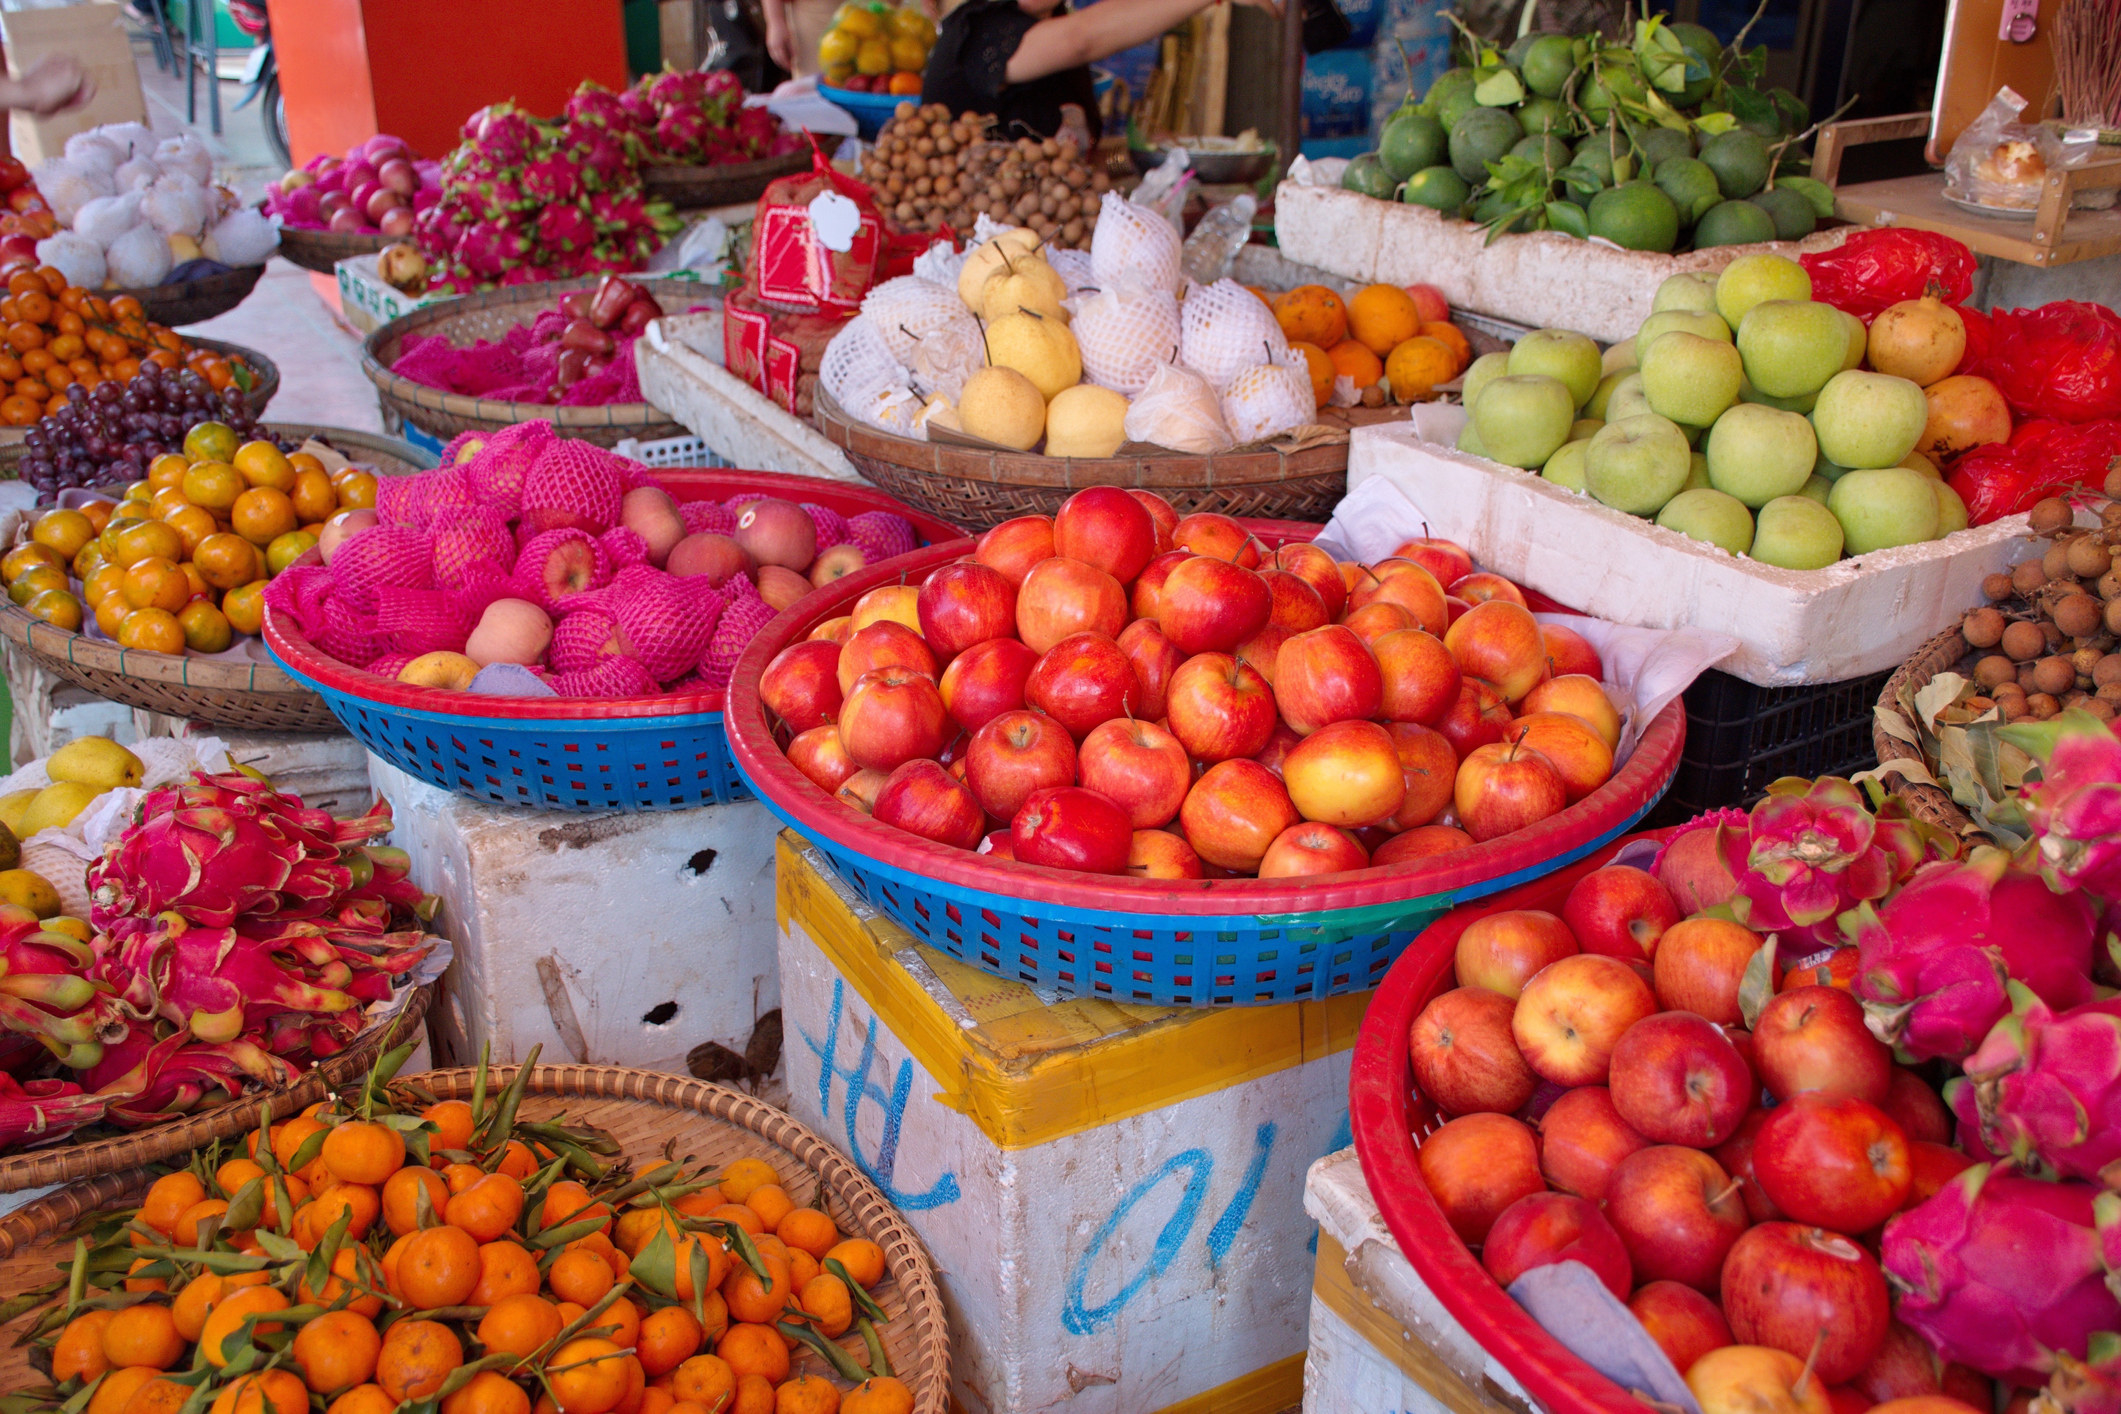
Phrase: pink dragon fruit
pixel 502 132
pixel 2037 1090
pixel 681 134
pixel 640 108
pixel 48 996
pixel 597 106
pixel 148 1080
pixel 1937 959
pixel 38 1112
pixel 2088 1386
pixel 566 228
pixel 1811 851
pixel 2075 808
pixel 551 179
pixel 213 983
pixel 2002 1272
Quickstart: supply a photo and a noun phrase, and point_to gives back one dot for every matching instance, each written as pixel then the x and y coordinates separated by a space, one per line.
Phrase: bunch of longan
pixel 2050 636
pixel 929 169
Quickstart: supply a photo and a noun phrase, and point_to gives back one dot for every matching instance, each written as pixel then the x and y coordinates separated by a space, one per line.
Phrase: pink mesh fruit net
pixel 710 518
pixel 394 498
pixel 300 593
pixel 463 447
pixel 580 639
pixel 478 540
pixel 391 664
pixel 348 634
pixel 831 525
pixel 617 676
pixel 539 568
pixel 620 382
pixel 573 479
pixel 380 556
pixel 881 534
pixel 663 624
pixel 624 546
pixel 420 621
pixel 497 472
pixel 441 496
pixel 740 623
pixel 521 368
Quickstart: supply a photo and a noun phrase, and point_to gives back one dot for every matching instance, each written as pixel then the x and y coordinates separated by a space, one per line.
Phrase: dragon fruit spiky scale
pixel 2045 1089
pixel 2088 1386
pixel 2074 810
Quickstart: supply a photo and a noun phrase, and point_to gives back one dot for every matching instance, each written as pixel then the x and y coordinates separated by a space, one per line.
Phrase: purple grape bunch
pixel 110 434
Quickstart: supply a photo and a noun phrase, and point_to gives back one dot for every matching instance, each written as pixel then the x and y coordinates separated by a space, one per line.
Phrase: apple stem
pixel 1736 1183
pixel 1804 1374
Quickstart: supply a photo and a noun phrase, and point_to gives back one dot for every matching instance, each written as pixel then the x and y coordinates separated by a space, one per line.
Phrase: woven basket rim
pixel 52 643
pixel 241 276
pixel 721 183
pixel 1927 803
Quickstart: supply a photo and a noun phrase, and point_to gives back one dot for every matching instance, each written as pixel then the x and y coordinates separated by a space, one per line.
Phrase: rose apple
pixel 1478 718
pixel 1162 513
pixel 1421 681
pixel 1014 546
pixel 1219 708
pixel 1570 745
pixel 1476 1166
pixel 859 790
pixel 1154 658
pixel 1464 1057
pixel 1324 676
pixel 1832 1160
pixel 1147 593
pixel 1218 536
pixel 964 604
pixel 1503 951
pixel 1310 848
pixel 1677 1079
pixel 1297 606
pixel 1700 963
pixel 1263 650
pixel 1582 1139
pixel 1081 681
pixel 1428 770
pixel 1446 559
pixel 892 716
pixel 1620 911
pixel 1570 654
pixel 1316 568
pixel 1502 788
pixel 1930 1167
pixel 1067 827
pixel 986 680
pixel 1481 586
pixel 1813 1293
pixel 1105 527
pixel 1373 621
pixel 1208 605
pixel 1578 696
pixel 1347 774
pixel 802 684
pixel 1499 643
pixel 1736 1156
pixel 883 645
pixel 1276 752
pixel 1408 585
pixel 1756 1379
pixel 1910 1103
pixel 1573 1012
pixel 1140 767
pixel 819 755
pixel 1159 854
pixel 894 603
pixel 1675 1209
pixel 1061 597
pixel 1685 1324
pixel 1541 1229
pixel 922 798
pixel 1419 843
pixel 1814 1038
pixel 1014 755
pixel 1233 812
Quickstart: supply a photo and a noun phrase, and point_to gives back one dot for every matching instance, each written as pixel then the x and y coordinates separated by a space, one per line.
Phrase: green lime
pixel 1450 96
pixel 1368 175
pixel 1482 136
pixel 1545 149
pixel 1411 142
pixel 1544 115
pixel 1593 97
pixel 1547 63
pixel 1701 44
pixel 1437 187
pixel 1519 47
pixel 1790 210
pixel 1690 184
pixel 1595 154
pixel 1658 144
pixel 1740 161
pixel 1733 223
pixel 1637 216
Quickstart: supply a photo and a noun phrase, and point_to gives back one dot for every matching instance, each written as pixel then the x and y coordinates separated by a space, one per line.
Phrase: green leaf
pixel 245 1208
pixel 1756 985
pixel 283 1249
pixel 1751 106
pixel 1501 89
pixel 1818 193
pixel 843 1363
pixel 879 1361
pixel 1660 56
pixel 1715 123
pixel 1580 180
pixel 656 1265
pixel 861 1298
pixel 1568 216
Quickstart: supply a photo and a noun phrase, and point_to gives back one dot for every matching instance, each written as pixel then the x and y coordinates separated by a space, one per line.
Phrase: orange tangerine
pixel 1417 365
pixel 1321 371
pixel 1382 317
pixel 1312 314
pixel 1452 338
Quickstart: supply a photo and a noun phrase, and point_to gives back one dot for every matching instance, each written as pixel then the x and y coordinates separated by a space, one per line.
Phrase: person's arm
pixel 56 83
pixel 780 39
pixel 1098 32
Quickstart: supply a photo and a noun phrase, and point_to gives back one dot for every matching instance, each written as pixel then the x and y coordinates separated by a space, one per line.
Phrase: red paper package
pixel 777 353
pixel 797 265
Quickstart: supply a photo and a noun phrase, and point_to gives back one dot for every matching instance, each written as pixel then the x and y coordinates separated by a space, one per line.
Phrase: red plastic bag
pixel 1874 269
pixel 1979 332
pixel 2062 360
pixel 2042 458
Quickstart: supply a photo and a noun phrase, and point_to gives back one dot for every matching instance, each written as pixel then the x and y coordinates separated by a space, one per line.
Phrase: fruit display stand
pixel 680 362
pixel 321 251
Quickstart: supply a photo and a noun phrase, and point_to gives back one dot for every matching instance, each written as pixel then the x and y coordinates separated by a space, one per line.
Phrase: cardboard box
pixel 95 35
pixel 367 302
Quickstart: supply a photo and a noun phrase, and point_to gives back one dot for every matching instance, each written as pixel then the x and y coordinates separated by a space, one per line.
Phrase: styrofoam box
pixel 679 361
pixel 608 939
pixel 1541 278
pixel 1380 1340
pixel 367 301
pixel 1862 615
pixel 1112 1194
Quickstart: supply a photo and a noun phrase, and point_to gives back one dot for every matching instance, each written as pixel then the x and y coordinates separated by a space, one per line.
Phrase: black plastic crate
pixel 1740 738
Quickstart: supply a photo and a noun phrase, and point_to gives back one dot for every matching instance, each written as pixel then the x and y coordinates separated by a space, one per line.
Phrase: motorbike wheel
pixel 275 115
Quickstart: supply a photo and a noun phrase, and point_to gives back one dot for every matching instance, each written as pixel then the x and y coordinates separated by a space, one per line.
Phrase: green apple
pixel 1692 321
pixel 1747 393
pixel 1596 407
pixel 1791 347
pixel 1758 453
pixel 1796 533
pixel 1637 464
pixel 1687 290
pixel 1479 374
pixel 1867 420
pixel 1818 488
pixel 1469 441
pixel 1618 358
pixel 1951 511
pixel 1566 466
pixel 1884 506
pixel 1557 353
pixel 1750 279
pixel 1583 429
pixel 1523 417
pixel 1711 516
pixel 1690 379
pixel 1916 461
pixel 1626 399
pixel 1697 472
pixel 1859 341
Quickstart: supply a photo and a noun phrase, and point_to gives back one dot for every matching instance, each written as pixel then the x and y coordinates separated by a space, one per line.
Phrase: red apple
pixel 996 846
pixel 1838 968
pixel 922 798
pixel 1316 568
pixel 1756 1379
pixel 893 716
pixel 1454 609
pixel 1346 774
pixel 834 630
pixel 1541 1229
pixel 1832 1160
pixel 802 684
pixel 1428 770
pixel 1421 680
pixel 1159 854
pixel 1481 586
pixel 1217 536
pixel 1062 597
pixel 1677 1079
pixel 1578 696
pixel 1573 1012
pixel 1812 1293
pixel 859 790
pixel 1430 304
pixel 1297 606
pixel 1503 788
pixel 1478 718
pixel 1154 659
pixel 899 603
pixel 1736 1156
pixel 1233 812
pixel 964 604
pixel 986 680
pixel 1324 676
pixel 1148 590
pixel 1570 745
pixel 1105 527
pixel 1910 1103
pixel 1014 546
pixel 1162 513
pixel 1692 867
pixel 1408 585
pixel 1904 1367
pixel 1309 848
pixel 1208 605
pixel 1499 643
pixel 1477 1165
pixel 1814 1038
pixel 1685 1324
pixel 1263 650
pixel 1620 911
pixel 1067 827
pixel 1446 559
pixel 1503 951
pixel 1843 1399
pixel 1676 1210
pixel 1014 755
pixel 1570 654
pixel 1930 1167
pixel 1373 621
pixel 1464 1057
pixel 1276 752
pixel 1219 708
pixel 1081 681
pixel 1582 1139
pixel 1419 843
pixel 1700 963
pixel 818 754
pixel 1140 767
pixel 884 644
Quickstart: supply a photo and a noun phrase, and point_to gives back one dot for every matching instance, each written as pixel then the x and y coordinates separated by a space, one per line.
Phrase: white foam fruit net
pixel 1177 409
pixel 858 364
pixel 1126 332
pixel 950 354
pixel 1073 266
pixel 1269 399
pixel 1225 329
pixel 906 310
pixel 1134 239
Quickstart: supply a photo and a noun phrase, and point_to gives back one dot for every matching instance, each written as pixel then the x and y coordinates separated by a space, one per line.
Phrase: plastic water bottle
pixel 1213 246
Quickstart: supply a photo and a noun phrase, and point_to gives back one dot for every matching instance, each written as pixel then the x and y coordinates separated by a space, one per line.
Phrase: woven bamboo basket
pixel 1947 652
pixel 643 1111
pixel 81 1157
pixel 268 372
pixel 190 301
pixel 321 250
pixel 489 316
pixel 727 184
pixel 978 488
pixel 392 456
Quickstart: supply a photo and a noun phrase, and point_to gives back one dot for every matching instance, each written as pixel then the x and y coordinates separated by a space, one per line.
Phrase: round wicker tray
pixel 643 1111
pixel 488 316
pixel 267 371
pixel 729 184
pixel 978 488
pixel 193 300
pixel 1944 653
pixel 321 250
pixel 390 455
pixel 81 1157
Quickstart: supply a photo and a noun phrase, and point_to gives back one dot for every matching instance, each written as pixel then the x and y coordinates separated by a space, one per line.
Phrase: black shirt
pixel 968 72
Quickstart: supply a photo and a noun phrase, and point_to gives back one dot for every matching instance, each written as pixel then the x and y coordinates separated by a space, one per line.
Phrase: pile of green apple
pixel 1740 414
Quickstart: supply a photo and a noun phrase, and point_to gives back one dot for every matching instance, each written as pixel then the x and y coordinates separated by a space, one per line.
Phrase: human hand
pixel 1272 7
pixel 780 42
pixel 54 84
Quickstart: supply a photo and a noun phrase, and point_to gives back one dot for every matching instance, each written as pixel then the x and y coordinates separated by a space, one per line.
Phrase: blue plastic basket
pixel 871 110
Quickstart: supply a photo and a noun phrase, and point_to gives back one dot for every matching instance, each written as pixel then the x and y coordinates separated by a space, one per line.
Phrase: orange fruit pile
pixel 54 335
pixel 1376 337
